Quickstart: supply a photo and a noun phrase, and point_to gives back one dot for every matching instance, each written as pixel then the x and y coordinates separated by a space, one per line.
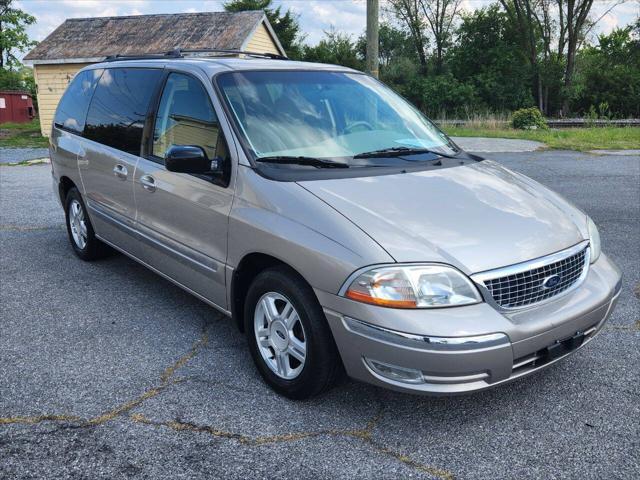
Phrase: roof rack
pixel 180 53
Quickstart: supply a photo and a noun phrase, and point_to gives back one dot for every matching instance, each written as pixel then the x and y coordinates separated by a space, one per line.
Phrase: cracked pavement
pixel 109 371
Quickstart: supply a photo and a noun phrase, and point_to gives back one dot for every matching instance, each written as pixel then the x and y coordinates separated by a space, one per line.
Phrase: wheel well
pixel 64 186
pixel 250 267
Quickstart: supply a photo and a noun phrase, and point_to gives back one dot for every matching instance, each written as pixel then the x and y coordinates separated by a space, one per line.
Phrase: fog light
pixel 394 372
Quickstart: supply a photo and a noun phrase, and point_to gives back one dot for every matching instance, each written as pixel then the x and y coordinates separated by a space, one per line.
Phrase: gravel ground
pixel 11 155
pixel 108 371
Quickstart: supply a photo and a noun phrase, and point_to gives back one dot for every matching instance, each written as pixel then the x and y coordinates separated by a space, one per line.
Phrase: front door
pixel 183 217
pixel 111 149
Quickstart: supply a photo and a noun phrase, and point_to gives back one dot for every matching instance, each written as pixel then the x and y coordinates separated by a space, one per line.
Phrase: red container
pixel 16 107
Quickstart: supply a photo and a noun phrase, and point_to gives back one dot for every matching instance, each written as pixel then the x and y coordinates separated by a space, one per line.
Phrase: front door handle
pixel 148 183
pixel 120 171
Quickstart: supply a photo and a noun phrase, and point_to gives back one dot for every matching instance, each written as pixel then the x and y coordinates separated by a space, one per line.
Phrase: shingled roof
pixel 93 39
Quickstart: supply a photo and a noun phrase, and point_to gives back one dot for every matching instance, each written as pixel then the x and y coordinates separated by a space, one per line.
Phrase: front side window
pixel 119 107
pixel 72 109
pixel 185 117
pixel 325 115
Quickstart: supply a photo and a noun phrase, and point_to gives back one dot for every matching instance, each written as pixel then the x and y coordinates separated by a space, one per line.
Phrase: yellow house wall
pixel 189 132
pixel 261 41
pixel 52 80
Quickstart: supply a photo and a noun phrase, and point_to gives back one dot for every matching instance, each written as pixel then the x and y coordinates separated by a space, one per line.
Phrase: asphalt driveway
pixel 16 155
pixel 108 371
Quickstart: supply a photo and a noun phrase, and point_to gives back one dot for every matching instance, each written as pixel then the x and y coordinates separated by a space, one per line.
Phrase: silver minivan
pixel 334 223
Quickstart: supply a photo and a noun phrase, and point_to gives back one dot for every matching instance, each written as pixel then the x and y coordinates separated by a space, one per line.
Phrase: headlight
pixel 414 286
pixel 594 240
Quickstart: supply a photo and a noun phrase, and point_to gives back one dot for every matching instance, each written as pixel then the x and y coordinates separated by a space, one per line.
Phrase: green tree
pixel 608 74
pixel 10 80
pixel 337 48
pixel 488 56
pixel 409 14
pixel 439 16
pixel 286 24
pixel 393 44
pixel 540 23
pixel 13 35
pixel 18 79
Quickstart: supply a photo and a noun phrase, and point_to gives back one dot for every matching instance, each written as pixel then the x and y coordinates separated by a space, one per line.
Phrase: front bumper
pixel 465 349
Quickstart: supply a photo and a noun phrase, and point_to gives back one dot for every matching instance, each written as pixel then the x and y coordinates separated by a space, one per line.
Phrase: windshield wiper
pixel 399 152
pixel 310 161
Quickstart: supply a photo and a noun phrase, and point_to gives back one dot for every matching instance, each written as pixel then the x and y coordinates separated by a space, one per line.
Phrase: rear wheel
pixel 289 338
pixel 81 234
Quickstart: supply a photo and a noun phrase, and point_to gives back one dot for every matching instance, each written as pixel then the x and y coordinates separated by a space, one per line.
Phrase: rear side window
pixel 72 109
pixel 119 107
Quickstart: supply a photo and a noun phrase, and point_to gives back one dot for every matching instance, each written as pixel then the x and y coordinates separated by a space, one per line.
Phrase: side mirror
pixel 190 159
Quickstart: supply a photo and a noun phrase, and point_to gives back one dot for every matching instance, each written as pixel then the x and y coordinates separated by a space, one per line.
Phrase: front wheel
pixel 289 338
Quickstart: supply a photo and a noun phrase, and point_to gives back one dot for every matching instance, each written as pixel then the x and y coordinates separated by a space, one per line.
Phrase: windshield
pixel 316 114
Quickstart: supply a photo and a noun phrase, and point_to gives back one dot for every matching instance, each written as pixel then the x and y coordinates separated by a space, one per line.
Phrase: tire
pixel 81 235
pixel 304 325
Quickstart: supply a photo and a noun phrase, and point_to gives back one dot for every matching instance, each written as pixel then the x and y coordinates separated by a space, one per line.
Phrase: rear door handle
pixel 120 171
pixel 148 183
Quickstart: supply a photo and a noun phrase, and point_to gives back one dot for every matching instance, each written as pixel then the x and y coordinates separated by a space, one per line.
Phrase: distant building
pixel 16 107
pixel 79 42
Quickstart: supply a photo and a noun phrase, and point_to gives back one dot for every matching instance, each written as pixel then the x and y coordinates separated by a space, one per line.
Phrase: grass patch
pixel 580 139
pixel 26 163
pixel 22 135
pixel 27 135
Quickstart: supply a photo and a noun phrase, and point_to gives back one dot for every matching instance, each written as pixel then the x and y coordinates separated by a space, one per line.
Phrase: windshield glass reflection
pixel 325 115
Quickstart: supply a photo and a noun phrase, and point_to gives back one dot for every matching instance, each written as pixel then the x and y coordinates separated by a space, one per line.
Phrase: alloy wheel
pixel 77 224
pixel 280 336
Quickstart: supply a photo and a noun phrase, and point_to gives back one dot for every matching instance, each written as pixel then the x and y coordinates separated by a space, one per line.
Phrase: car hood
pixel 476 217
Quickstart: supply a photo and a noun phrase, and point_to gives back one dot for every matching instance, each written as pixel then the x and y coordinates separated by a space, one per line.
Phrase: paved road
pixel 11 155
pixel 108 371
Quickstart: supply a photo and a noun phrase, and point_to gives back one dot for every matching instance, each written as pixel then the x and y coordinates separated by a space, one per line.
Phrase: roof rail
pixel 273 56
pixel 180 53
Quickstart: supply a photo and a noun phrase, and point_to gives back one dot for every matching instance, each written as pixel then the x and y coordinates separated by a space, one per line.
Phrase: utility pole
pixel 372 37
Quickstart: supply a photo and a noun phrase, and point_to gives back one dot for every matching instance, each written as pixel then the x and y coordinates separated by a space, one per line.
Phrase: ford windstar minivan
pixel 334 223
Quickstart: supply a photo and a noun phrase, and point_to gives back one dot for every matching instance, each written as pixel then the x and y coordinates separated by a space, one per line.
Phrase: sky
pixel 316 16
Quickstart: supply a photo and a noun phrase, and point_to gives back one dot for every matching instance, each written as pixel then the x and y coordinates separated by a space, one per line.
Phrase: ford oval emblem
pixel 551 281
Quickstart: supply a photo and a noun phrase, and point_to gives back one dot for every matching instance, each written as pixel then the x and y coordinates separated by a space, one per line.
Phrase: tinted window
pixel 72 109
pixel 185 117
pixel 119 106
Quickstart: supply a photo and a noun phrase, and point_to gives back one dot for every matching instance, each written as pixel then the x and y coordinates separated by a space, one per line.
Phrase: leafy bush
pixel 442 93
pixel 401 71
pixel 528 119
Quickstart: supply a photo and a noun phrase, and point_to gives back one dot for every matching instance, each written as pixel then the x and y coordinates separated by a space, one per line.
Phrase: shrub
pixel 528 119
pixel 442 93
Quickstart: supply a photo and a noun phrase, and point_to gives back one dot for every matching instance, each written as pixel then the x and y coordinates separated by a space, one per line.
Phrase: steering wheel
pixel 357 125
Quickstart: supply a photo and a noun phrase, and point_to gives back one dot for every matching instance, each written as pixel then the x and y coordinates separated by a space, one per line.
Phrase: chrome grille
pixel 523 288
